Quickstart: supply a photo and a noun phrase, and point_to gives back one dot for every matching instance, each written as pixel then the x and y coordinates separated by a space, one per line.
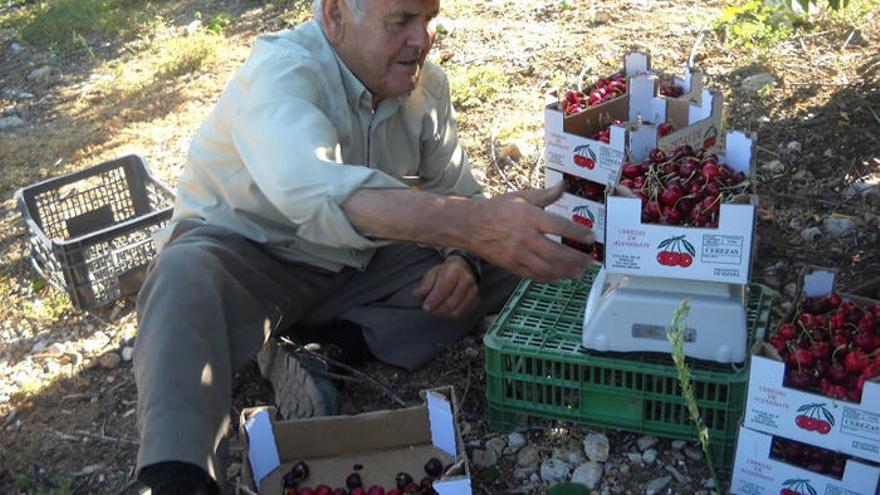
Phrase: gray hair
pixel 358 8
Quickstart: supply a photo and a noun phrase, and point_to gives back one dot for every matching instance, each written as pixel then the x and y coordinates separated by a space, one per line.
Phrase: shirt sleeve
pixel 292 151
pixel 444 168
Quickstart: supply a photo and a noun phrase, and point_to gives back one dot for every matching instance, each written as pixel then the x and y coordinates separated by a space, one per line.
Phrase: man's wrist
pixel 475 263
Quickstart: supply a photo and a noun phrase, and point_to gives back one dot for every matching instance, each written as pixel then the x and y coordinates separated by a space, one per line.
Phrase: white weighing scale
pixel 631 314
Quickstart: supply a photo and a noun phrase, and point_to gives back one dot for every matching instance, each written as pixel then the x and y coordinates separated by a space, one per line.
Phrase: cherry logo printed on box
pixel 797 487
pixel 583 215
pixel 810 420
pixel 584 156
pixel 676 251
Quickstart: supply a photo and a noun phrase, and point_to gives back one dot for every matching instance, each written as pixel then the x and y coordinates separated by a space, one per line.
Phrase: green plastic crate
pixel 535 366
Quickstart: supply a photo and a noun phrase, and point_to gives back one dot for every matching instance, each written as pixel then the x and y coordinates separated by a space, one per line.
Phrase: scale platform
pixel 631 314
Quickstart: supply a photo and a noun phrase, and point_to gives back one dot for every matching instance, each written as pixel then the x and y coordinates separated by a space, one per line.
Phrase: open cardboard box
pixel 756 473
pixel 568 143
pixel 721 254
pixel 384 443
pixel 773 408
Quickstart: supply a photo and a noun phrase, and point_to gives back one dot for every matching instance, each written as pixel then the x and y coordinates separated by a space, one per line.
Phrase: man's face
pixel 387 49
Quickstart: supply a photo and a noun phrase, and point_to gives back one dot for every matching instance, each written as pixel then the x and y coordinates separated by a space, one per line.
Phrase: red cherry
pixel 306 491
pixel 801 421
pixel 376 490
pixel 685 260
pixel 665 129
pixel 673 259
pixel 856 361
pixel 631 170
pixel 787 331
pixel 811 424
pixel 709 171
pixel 663 258
pixel 323 490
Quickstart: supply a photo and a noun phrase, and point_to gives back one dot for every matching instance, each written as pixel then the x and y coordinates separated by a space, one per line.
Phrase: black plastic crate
pixel 90 232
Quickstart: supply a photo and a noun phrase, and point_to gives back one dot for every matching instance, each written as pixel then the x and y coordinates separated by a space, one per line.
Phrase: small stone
pixel 793 146
pixel 523 473
pixel 802 174
pixel 839 225
pixel 596 447
pixel 39 347
pixel 656 485
pixel 773 167
pixel 634 457
pixel 624 469
pixel 811 234
pixel 646 442
pixel 569 453
pixel 465 426
pixel 11 121
pixel 649 456
pixel 554 469
pixel 678 444
pixel 192 28
pixel 797 223
pixel 55 349
pixel 763 119
pixel 496 445
pixel 828 153
pixel 127 353
pixel 527 456
pixel 109 360
pixel 484 458
pixel 753 84
pixel 471 353
pixel 41 74
pixel 516 440
pixel 693 453
pixel 588 474
pixel 511 151
pixel 15 48
pixel 679 478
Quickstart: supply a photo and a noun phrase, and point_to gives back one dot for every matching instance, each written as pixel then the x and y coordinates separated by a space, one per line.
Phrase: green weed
pixel 757 25
pixel 675 335
pixel 64 26
pixel 182 55
pixel 472 85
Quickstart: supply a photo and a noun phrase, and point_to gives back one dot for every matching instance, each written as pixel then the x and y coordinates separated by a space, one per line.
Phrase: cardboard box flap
pixel 636 63
pixel 739 148
pixel 367 431
pixel 704 109
pixel 263 452
pixel 643 104
pixel 818 282
pixel 442 423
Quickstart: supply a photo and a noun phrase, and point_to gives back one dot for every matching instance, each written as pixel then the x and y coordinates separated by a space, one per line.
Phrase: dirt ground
pixel 67 415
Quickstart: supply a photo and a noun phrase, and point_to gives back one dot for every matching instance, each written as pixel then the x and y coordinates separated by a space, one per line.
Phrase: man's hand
pixel 509 231
pixel 449 289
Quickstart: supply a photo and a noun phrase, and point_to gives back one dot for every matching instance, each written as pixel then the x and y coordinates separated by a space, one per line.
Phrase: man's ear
pixel 331 19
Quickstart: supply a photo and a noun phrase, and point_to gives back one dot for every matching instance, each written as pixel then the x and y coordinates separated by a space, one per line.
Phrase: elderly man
pixel 327 193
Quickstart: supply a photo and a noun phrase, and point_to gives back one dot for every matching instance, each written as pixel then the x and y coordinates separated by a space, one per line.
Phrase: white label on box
pixel 722 249
pixel 262 451
pixel 453 487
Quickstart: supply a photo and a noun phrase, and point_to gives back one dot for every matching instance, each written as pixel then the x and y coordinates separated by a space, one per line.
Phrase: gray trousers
pixel 213 298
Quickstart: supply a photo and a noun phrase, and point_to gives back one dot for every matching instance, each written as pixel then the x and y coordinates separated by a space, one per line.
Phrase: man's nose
pixel 421 37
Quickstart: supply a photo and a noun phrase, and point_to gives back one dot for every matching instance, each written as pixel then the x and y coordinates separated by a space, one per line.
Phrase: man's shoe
pixel 301 390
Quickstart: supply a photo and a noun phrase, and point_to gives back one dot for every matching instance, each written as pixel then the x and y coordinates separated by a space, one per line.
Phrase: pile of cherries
pixel 671 90
pixel 603 90
pixel 584 188
pixel 815 459
pixel 404 482
pixel 832 346
pixel 685 187
pixel 596 250
pixel 604 136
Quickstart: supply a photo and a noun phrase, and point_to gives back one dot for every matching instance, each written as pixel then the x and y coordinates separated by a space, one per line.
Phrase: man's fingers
pixel 444 288
pixel 543 197
pixel 563 227
pixel 426 284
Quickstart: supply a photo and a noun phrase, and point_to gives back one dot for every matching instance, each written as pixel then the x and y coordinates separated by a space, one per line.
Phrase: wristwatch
pixel 475 263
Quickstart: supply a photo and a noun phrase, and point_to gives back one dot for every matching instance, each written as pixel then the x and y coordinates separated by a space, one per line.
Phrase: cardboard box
pixel 568 143
pixel 756 473
pixel 590 213
pixel 383 442
pixel 722 254
pixel 773 408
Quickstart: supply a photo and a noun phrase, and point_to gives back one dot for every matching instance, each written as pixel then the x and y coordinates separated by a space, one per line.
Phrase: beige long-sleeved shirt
pixel 294 134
